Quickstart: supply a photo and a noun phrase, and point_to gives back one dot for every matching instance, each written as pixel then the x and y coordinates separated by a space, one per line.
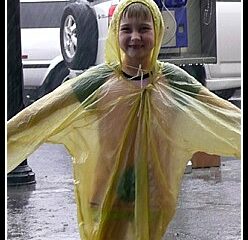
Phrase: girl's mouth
pixel 135 46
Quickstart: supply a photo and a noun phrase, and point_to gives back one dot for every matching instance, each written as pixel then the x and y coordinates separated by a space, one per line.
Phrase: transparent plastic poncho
pixel 129 143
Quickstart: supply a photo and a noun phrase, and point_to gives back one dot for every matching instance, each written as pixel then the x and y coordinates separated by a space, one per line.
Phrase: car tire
pixel 79 36
pixel 197 71
pixel 225 93
pixel 54 79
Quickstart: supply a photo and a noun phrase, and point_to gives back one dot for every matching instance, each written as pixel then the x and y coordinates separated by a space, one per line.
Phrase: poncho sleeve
pixel 205 121
pixel 48 119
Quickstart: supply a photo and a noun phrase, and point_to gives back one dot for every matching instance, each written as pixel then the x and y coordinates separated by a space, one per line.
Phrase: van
pixel 62 38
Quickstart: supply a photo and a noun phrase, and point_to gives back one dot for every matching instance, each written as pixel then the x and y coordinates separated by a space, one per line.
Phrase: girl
pixel 131 125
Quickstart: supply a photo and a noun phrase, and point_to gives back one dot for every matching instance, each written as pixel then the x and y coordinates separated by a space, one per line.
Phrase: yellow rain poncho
pixel 129 144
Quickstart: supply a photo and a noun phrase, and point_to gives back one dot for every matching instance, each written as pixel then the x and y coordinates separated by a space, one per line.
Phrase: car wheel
pixel 225 93
pixel 79 36
pixel 197 71
pixel 55 77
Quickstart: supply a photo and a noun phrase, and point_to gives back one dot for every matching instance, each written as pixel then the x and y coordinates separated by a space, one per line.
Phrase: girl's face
pixel 136 39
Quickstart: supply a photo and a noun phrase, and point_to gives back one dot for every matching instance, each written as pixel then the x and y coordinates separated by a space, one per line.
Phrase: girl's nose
pixel 135 36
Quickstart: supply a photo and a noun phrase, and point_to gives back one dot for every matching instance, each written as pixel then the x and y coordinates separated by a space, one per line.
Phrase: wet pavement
pixel 209 205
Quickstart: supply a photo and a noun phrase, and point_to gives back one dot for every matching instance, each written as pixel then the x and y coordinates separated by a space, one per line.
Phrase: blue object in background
pixel 171 3
pixel 180 36
pixel 182 29
pixel 180 10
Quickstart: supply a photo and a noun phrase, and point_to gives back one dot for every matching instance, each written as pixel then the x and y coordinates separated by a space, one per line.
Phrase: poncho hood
pixel 113 53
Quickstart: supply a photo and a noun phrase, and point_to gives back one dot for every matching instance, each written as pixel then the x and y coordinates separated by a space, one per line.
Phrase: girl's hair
pixel 137 10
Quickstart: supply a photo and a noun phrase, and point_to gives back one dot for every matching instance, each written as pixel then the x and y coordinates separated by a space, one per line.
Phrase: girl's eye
pixel 145 29
pixel 125 29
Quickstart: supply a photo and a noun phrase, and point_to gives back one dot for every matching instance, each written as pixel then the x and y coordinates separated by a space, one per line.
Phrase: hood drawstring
pixel 140 72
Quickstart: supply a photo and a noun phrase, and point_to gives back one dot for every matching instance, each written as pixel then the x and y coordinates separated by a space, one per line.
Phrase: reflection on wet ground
pixel 209 204
pixel 211 175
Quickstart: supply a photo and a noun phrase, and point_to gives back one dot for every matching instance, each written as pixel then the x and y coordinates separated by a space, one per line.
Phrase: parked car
pixel 60 39
pixel 224 78
pixel 43 65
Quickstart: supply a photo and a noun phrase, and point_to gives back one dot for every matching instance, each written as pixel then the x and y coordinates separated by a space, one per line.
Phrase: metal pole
pixel 22 174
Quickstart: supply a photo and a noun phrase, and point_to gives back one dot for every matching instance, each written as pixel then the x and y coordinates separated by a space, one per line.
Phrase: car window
pixel 41 14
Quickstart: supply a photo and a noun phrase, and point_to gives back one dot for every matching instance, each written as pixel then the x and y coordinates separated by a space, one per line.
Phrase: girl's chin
pixel 137 54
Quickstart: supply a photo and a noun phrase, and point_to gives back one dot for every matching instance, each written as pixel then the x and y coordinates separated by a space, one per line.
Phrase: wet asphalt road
pixel 209 205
